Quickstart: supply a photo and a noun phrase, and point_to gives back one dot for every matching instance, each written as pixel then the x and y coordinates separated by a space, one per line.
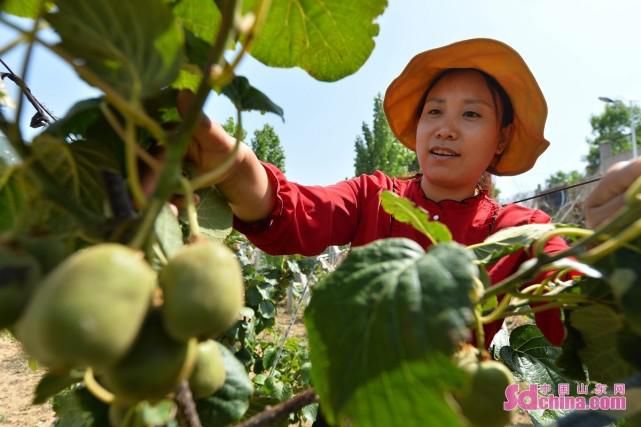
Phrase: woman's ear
pixel 504 138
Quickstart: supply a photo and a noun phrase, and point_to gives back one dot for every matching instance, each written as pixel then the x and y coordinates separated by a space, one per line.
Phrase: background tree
pixel 265 143
pixel 563 178
pixel 378 149
pixel 612 125
pixel 230 128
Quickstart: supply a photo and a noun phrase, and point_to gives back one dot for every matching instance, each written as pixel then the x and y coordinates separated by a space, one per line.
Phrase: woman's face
pixel 458 135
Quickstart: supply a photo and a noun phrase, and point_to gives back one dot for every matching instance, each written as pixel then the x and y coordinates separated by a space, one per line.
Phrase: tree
pixel 563 178
pixel 265 143
pixel 230 128
pixel 613 126
pixel 378 149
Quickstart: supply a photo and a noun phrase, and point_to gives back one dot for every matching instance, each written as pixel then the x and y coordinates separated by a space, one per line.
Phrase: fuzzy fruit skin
pixel 88 311
pixel 117 414
pixel 21 274
pixel 154 366
pixel 203 291
pixel 209 371
pixel 482 401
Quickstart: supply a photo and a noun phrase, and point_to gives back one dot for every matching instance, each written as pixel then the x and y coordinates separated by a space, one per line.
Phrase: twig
pixel 273 413
pixel 187 414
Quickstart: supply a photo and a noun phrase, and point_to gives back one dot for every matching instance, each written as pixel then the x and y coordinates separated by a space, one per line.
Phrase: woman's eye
pixel 433 111
pixel 471 114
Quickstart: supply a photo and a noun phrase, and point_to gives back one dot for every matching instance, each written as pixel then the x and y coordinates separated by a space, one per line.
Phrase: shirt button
pixel 436 217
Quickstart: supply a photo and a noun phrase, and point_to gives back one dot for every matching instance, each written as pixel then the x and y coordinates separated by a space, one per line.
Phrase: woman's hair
pixel 501 99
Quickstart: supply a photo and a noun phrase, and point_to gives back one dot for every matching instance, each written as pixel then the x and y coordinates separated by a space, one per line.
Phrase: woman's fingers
pixel 594 216
pixel 608 196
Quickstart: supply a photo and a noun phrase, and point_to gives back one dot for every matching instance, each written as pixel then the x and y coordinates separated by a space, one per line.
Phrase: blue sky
pixel 578 51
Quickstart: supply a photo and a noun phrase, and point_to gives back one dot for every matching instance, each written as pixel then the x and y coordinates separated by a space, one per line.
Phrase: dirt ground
pixel 17 383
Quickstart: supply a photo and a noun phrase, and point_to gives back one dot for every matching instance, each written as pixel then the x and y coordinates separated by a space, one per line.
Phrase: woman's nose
pixel 447 131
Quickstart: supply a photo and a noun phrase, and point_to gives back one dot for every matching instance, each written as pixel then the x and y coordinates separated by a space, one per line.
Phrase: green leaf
pixel 267 309
pixel 599 325
pixel 77 167
pixel 13 200
pixel 201 17
pixel 229 403
pixel 409 395
pixel 386 318
pixel 52 383
pixel 134 46
pixel 168 231
pixel 76 407
pixel 22 8
pixel 405 211
pixel 329 39
pixel 78 119
pixel 508 240
pixel 531 356
pixel 629 346
pixel 214 215
pixel 623 272
pixel 245 97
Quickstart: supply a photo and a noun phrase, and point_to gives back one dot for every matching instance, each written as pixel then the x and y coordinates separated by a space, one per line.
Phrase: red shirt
pixel 307 219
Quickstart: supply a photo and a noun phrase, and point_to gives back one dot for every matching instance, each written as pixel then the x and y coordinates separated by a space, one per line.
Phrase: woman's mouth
pixel 443 152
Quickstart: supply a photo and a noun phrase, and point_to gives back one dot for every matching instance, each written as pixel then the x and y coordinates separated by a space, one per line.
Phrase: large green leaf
pixel 134 46
pixel 380 327
pixel 599 326
pixel 329 39
pixel 405 211
pixel 229 403
pixel 509 240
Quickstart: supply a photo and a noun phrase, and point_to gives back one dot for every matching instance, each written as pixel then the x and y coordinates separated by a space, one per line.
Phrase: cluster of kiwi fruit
pixel 140 332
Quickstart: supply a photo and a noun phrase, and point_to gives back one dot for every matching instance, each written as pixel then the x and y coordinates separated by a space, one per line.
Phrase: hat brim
pixel 405 94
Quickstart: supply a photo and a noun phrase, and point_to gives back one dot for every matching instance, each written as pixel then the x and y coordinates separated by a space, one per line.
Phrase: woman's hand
pixel 210 144
pixel 608 197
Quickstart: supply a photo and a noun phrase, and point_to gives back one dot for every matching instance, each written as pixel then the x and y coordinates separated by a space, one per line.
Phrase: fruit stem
pixel 539 244
pixel 498 311
pixel 478 327
pixel 133 177
pixel 96 389
pixel 609 246
pixel 192 215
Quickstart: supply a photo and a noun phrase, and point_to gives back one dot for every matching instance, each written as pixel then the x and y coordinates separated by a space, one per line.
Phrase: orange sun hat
pixel 405 94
